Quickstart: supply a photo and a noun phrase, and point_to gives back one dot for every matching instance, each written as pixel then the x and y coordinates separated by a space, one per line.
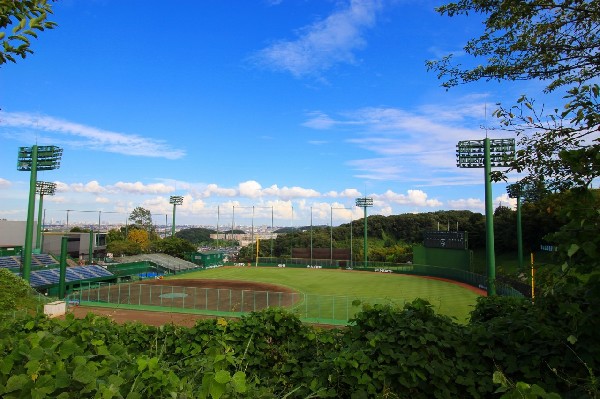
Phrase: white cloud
pixel 103 200
pixel 250 189
pixel 214 190
pixel 4 183
pixel 412 197
pixel 415 146
pixel 472 204
pixel 90 187
pixel 347 193
pixel 378 169
pixel 505 200
pixel 91 137
pixel 320 121
pixel 141 188
pixel 324 43
pixel 291 192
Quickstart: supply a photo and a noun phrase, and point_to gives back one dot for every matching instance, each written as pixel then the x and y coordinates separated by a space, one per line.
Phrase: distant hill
pixel 285 230
pixel 196 235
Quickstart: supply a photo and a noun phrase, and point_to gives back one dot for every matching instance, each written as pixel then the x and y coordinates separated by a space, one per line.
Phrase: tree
pixel 122 247
pixel 139 236
pixel 142 218
pixel 555 41
pixel 174 246
pixel 26 17
pixel 115 235
pixel 79 230
pixel 551 40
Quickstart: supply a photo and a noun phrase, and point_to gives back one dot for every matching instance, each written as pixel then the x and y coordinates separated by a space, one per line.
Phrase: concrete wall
pixel 13 232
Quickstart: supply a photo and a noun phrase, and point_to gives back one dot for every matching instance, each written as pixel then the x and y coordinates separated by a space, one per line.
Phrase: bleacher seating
pixel 162 260
pixel 9 261
pixel 44 277
pixel 42 260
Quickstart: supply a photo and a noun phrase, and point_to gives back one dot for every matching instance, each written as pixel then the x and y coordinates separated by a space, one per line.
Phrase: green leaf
pixel 222 377
pixel 216 390
pixel 572 339
pixel 84 374
pixel 68 348
pixel 61 379
pixel 16 382
pixel 6 366
pixel 499 378
pixel 142 363
pixel 572 250
pixel 239 382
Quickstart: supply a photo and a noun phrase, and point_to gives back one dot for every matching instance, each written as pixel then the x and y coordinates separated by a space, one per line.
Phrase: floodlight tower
pixel 516 191
pixel 486 154
pixel 32 159
pixel 42 188
pixel 364 203
pixel 175 200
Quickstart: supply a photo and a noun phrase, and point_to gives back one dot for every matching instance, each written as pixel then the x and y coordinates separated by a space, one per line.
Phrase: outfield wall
pixel 444 257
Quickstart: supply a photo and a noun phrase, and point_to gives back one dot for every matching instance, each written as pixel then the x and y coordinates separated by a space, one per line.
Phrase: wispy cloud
pixel 80 135
pixel 323 44
pixel 421 141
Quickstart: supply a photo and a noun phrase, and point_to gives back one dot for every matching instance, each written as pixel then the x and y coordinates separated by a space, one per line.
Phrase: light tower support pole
pixel 175 200
pixel 365 203
pixel 489 222
pixel 519 234
pixel 33 159
pixel 42 188
pixel 517 191
pixel 486 154
pixel 30 212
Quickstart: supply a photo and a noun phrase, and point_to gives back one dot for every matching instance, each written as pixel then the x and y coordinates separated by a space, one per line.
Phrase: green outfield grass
pixel 447 298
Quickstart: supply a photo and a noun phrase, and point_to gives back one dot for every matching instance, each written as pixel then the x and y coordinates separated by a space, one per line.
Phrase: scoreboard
pixel 446 239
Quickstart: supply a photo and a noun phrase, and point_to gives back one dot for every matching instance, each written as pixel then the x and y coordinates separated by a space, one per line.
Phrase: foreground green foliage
pixel 387 352
pixel 16 294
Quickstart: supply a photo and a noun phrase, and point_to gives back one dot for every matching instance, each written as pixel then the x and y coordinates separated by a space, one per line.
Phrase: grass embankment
pixel 16 295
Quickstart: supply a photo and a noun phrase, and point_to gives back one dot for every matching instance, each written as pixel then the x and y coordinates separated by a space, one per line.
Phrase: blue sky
pixel 276 105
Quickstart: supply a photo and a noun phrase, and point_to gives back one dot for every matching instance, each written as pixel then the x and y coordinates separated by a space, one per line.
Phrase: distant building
pixel 244 239
pixel 78 245
pixel 12 233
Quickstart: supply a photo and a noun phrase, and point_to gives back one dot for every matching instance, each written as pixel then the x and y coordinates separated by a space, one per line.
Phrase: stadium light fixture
pixel 487 153
pixel 42 188
pixel 175 200
pixel 365 203
pixel 32 159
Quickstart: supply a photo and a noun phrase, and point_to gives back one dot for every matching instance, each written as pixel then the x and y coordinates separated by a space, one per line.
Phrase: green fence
pixel 324 309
